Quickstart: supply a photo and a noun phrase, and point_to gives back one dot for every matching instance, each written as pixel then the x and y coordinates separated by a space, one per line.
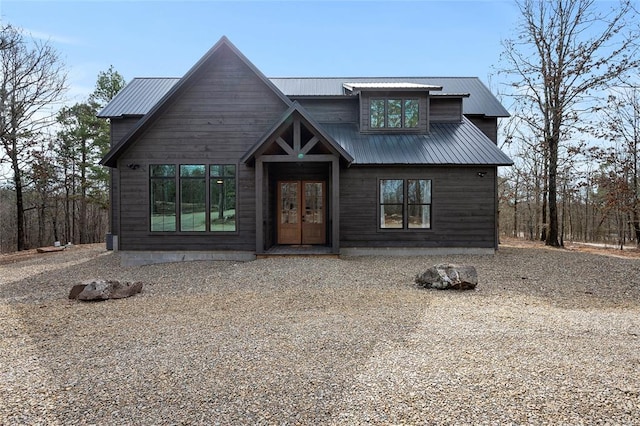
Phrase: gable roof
pixel 296 107
pixel 174 91
pixel 447 144
pixel 481 101
pixel 141 94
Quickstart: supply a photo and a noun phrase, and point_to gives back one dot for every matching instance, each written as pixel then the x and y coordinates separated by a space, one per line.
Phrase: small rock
pixel 76 290
pixel 449 276
pixel 105 289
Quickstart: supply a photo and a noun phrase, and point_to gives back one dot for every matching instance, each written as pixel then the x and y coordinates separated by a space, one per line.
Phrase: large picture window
pixel 394 113
pixel 193 197
pixel 405 204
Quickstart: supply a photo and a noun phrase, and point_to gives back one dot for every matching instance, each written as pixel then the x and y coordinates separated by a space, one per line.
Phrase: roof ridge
pixel 356 77
pixel 156 78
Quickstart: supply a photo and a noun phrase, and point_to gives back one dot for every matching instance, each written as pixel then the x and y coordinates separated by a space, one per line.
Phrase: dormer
pixel 392 107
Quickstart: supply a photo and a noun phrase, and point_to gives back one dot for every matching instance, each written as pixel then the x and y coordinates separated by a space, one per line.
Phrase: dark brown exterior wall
pixel 488 125
pixel 119 128
pixel 445 110
pixel 332 110
pixel 463 211
pixel 215 120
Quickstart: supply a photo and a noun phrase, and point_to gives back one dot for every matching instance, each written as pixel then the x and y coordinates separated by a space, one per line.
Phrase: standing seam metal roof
pixel 141 94
pixel 481 101
pixel 138 97
pixel 447 144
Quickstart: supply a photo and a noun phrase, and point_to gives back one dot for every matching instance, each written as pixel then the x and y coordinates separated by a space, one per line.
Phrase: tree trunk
pixel 635 222
pixel 17 181
pixel 552 232
pixel 515 206
pixel 82 219
pixel 545 195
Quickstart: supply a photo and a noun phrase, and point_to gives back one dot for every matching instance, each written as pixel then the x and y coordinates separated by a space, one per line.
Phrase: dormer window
pixel 392 107
pixel 394 113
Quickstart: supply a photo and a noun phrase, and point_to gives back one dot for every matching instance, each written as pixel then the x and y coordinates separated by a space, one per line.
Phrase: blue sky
pixel 286 38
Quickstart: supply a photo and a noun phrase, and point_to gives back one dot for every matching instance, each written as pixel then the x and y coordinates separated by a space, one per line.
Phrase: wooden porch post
pixel 335 205
pixel 259 213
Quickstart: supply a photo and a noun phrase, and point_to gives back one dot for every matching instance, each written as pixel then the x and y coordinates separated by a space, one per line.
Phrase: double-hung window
pixel 393 113
pixel 405 204
pixel 193 197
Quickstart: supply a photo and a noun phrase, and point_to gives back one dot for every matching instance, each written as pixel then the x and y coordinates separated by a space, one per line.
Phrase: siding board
pixel 332 110
pixel 488 126
pixel 447 110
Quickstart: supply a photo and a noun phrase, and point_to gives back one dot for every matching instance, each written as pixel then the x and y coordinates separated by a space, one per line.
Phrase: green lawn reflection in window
pixel 163 197
pixel 222 198
pixel 193 194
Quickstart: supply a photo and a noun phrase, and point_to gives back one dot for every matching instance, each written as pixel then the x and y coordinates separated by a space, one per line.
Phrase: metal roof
pixel 446 144
pixel 141 94
pixel 480 102
pixel 138 97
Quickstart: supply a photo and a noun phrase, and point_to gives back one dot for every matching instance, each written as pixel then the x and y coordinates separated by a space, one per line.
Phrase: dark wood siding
pixel 215 120
pixel 463 211
pixel 445 110
pixel 488 125
pixel 120 127
pixel 332 110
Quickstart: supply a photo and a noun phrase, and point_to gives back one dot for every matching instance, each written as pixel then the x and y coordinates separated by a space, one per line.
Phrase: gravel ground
pixel 548 337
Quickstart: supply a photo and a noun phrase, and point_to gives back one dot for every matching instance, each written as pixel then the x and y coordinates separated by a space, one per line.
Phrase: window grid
pixel 394 113
pixel 405 204
pixel 193 198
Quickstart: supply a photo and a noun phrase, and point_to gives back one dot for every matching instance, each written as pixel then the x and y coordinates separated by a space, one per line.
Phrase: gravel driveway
pixel 549 336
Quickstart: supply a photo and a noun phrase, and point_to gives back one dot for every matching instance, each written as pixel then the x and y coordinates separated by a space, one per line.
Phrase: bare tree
pixel 564 53
pixel 619 124
pixel 32 79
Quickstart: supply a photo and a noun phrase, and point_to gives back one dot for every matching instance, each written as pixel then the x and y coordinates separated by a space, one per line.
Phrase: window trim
pixel 405 205
pixel 208 179
pixel 403 100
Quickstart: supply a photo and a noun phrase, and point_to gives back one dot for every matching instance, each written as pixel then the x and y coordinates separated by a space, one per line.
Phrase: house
pixel 225 163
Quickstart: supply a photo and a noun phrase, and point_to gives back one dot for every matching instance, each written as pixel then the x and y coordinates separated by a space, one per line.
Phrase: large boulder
pixel 104 289
pixel 448 276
